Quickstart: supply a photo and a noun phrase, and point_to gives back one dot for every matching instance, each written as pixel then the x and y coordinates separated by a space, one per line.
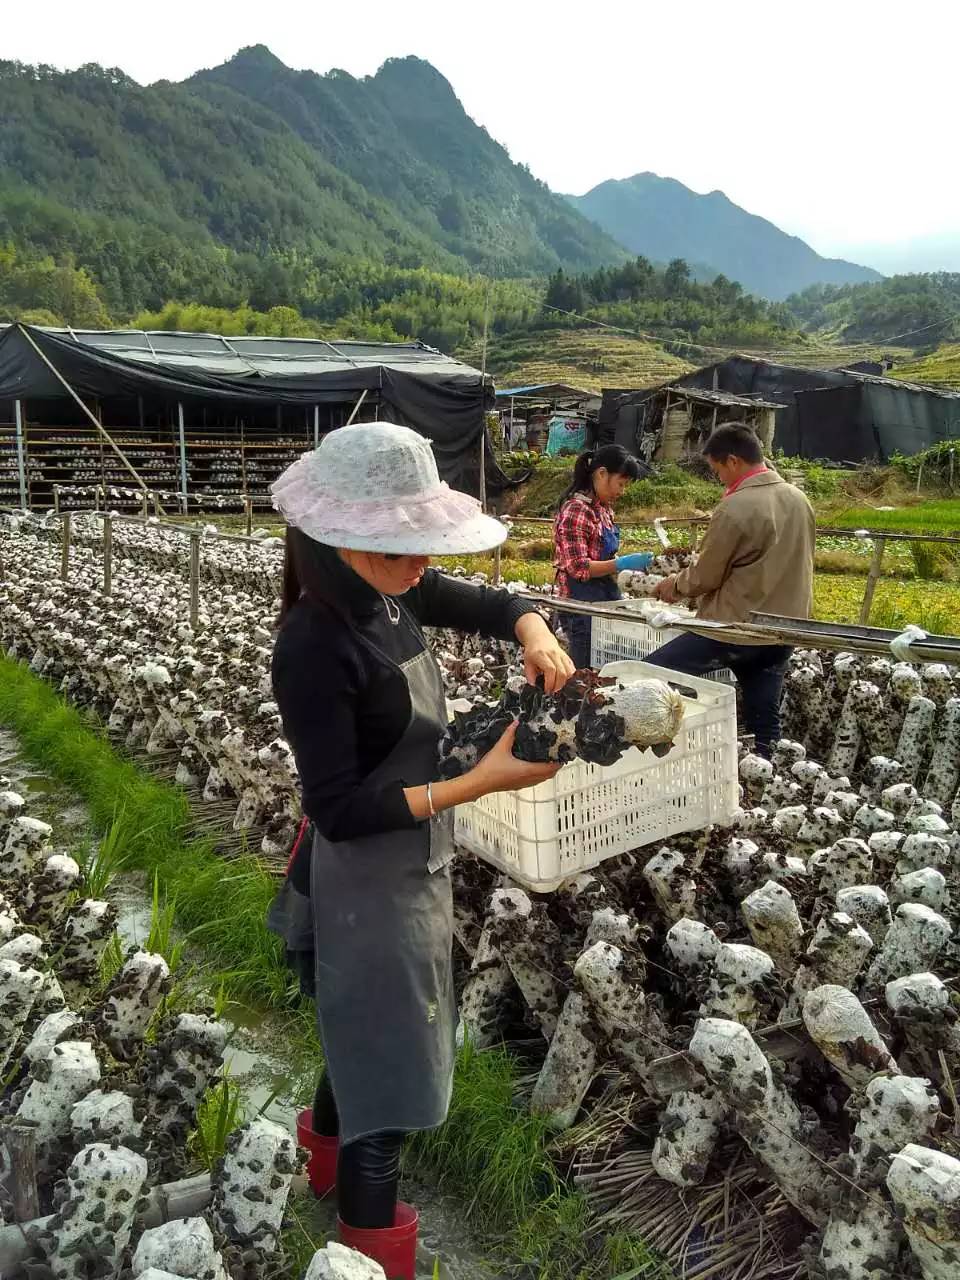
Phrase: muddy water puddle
pixel 275 1075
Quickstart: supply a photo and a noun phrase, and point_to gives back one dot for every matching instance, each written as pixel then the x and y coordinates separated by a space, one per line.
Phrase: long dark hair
pixel 613 457
pixel 309 568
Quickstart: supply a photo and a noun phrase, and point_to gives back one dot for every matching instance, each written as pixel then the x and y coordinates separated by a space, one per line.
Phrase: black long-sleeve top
pixel 344 709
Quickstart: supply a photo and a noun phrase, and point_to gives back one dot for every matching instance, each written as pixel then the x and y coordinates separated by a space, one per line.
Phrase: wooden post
pixel 496 566
pixel 107 555
pixel 56 497
pixel 183 458
pixel 483 467
pixel 21 458
pixel 145 512
pixel 20 1140
pixel 876 566
pixel 248 506
pixel 66 523
pixel 316 426
pixel 195 580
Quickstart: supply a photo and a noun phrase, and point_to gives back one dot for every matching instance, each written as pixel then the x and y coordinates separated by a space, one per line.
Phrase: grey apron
pixel 380 923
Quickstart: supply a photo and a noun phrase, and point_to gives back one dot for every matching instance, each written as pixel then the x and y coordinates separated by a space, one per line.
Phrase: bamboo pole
pixel 21 459
pixel 194 580
pixel 356 408
pixel 66 523
pixel 873 577
pixel 107 554
pixel 183 457
pixel 21 1143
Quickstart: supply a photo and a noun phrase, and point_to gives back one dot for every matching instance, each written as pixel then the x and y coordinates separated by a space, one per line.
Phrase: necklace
pixel 392 608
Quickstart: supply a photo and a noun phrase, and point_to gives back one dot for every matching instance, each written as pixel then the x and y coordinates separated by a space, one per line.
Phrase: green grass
pixel 218 903
pixel 222 1110
pixel 939 369
pixel 496 1157
pixel 940 516
pixel 495 1152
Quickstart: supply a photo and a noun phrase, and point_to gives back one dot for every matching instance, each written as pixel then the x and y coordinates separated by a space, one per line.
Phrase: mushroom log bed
pixel 748 1037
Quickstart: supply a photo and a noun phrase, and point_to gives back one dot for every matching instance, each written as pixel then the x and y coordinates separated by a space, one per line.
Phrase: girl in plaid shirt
pixel 586 539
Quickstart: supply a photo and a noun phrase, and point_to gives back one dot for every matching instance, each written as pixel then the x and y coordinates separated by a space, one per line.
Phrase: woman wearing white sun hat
pixel 366 909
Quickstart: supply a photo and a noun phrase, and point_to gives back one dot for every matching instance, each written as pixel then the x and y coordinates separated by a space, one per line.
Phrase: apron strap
pixel 301 832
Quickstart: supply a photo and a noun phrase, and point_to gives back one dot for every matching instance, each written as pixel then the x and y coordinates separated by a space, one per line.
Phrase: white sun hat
pixel 375 487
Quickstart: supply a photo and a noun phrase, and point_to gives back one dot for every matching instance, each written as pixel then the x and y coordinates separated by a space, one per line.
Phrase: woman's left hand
pixel 543 654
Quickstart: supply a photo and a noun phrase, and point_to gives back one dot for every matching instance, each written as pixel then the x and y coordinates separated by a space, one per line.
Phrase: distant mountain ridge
pixel 663 219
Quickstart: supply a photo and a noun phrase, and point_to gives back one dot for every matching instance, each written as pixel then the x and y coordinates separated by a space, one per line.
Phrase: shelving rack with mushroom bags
pixel 210 421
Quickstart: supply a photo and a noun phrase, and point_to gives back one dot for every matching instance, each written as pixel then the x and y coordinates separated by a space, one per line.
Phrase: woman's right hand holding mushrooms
pixel 500 770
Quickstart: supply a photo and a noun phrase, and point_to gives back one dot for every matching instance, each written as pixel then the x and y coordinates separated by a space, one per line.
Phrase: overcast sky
pixel 838 121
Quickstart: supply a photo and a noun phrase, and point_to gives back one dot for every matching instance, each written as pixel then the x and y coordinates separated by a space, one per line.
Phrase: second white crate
pixel 614 641
pixel 587 813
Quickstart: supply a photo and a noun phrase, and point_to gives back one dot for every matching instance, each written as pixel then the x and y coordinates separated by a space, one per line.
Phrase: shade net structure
pixel 839 415
pixel 279 394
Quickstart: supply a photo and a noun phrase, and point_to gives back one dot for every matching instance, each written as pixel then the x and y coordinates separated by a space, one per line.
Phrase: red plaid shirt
pixel 578 530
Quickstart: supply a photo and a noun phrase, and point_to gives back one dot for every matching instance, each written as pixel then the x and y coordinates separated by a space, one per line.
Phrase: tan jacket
pixel 757 555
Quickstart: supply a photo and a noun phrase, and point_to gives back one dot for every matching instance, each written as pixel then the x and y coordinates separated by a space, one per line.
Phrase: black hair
pixel 309 569
pixel 612 457
pixel 734 440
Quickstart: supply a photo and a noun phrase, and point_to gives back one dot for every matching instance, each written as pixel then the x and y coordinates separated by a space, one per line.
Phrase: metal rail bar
pixel 771 629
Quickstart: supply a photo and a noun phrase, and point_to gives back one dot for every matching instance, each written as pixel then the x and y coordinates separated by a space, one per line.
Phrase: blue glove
pixel 637 560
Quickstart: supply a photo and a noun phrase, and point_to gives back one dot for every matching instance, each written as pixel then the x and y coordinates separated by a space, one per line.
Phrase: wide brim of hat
pixel 442 523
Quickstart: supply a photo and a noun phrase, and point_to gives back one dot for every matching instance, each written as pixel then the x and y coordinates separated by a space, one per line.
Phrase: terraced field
pixel 939 369
pixel 588 358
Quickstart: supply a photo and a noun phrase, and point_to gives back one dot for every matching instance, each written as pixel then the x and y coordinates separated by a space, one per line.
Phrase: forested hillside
pixel 204 190
pixel 925 307
pixel 256 199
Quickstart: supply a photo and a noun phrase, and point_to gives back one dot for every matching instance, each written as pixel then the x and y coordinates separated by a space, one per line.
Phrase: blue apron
pixel 594 591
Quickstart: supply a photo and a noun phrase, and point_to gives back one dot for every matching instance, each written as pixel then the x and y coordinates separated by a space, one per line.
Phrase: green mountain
pixel 242 180
pixel 404 136
pixel 662 219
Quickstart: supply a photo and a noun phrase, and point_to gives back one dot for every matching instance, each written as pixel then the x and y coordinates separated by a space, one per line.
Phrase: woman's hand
pixel 500 770
pixel 543 654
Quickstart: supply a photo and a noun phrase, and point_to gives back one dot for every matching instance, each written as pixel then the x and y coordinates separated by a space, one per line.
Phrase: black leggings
pixel 368 1170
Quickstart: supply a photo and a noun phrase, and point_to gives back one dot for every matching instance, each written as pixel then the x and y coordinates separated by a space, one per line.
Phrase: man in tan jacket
pixel 757 557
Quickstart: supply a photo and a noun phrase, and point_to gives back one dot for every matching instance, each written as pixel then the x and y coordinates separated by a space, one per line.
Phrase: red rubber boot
pixel 395 1248
pixel 322 1165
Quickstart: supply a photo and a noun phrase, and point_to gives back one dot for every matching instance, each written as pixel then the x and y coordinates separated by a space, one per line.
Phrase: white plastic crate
pixel 615 641
pixel 588 813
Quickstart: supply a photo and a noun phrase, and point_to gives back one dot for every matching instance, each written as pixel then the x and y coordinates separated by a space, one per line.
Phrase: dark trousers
pixel 368 1170
pixel 759 669
pixel 580 628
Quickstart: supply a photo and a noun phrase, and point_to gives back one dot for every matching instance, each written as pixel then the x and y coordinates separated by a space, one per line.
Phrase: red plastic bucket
pixel 395 1248
pixel 322 1165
